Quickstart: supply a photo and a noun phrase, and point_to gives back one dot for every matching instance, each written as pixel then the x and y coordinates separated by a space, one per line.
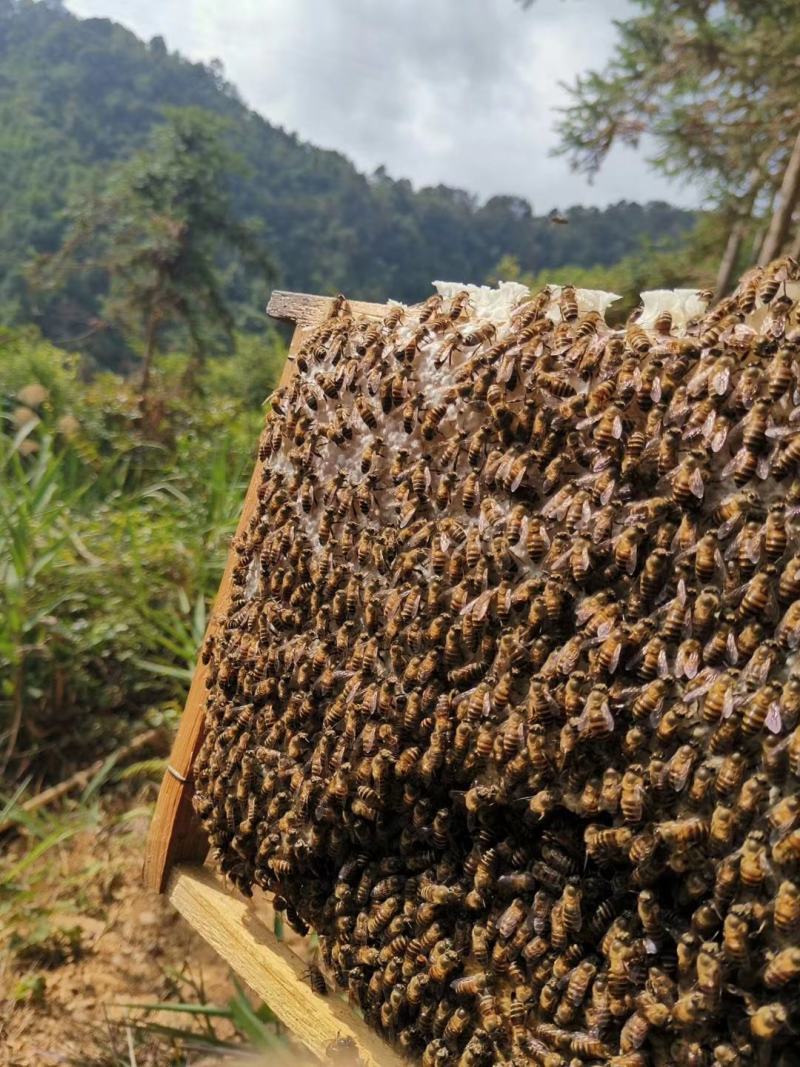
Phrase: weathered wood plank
pixel 175 833
pixel 306 310
pixel 232 927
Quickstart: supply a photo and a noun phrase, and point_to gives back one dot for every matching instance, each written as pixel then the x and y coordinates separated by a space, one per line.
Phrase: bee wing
pixel 506 598
pixel 655 390
pixel 558 505
pixel 517 481
pixel 778 432
pixel 696 483
pixel 733 651
pixel 523 531
pixel 728 703
pixel 392 605
pixel 617 427
pixel 608 492
pixel 762 467
pixel 721 380
pixel 727 527
pixel 585 610
pixel 790 636
pixel 605 628
pixel 560 563
pixel 407 514
pixel 374 381
pixel 371 703
pixel 413 599
pixel 691 663
pixel 480 605
pixel 614 661
pixel 697 382
pixel 774 721
pixel 730 466
pixel 698 691
pixel 506 368
pixel 679 774
pixel 590 420
pixel 719 436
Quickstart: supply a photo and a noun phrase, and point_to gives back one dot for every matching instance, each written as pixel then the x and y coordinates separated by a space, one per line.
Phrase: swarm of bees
pixel 507 701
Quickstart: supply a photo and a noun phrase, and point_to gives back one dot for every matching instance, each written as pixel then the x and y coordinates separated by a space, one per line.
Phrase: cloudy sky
pixel 455 91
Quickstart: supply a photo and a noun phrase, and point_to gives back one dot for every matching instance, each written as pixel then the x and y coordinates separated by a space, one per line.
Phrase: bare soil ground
pixel 62 994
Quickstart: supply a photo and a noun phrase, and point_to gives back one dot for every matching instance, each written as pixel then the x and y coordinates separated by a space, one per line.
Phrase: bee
pixel 681 833
pixel 688 479
pixel 785 457
pixel 784 814
pixel 763 707
pixel 789 581
pixel 758 599
pixel 470 492
pixel 786 913
pixel 773 277
pixel 782 968
pixel 626 547
pixel 768 1021
pixel 637 339
pixel 596 720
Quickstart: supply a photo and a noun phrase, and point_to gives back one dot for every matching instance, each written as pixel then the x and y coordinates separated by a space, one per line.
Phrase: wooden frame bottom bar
pixel 272 970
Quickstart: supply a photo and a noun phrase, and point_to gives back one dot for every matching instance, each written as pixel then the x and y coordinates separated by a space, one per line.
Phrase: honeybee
pixel 782 968
pixel 596 719
pixel 689 479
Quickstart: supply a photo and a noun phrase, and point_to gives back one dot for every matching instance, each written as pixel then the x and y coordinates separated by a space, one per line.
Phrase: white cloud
pixel 455 91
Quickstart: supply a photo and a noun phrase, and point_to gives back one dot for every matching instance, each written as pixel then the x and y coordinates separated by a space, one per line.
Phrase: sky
pixel 461 92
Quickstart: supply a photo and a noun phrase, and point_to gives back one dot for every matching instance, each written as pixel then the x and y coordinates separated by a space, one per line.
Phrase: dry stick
pixel 82 778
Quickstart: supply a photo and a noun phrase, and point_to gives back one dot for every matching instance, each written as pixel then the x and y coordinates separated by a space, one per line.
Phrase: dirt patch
pixel 106 942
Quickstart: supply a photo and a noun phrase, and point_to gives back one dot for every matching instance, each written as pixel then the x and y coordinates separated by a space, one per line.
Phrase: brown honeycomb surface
pixel 505 705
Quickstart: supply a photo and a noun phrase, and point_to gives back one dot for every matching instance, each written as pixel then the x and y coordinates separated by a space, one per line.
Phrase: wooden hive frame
pixel 176 850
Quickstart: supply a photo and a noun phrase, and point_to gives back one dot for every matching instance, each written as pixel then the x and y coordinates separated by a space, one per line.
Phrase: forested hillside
pixel 77 95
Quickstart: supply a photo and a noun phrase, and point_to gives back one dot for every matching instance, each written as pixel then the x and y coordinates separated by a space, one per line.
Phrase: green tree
pixel 715 85
pixel 153 237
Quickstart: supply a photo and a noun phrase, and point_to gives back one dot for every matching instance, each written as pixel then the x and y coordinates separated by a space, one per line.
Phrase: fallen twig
pixel 82 778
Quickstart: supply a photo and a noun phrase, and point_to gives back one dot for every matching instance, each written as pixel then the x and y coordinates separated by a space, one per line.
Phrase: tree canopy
pixel 152 238
pixel 715 87
pixel 78 96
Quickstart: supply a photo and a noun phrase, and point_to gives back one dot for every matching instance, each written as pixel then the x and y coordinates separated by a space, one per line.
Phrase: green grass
pixel 113 534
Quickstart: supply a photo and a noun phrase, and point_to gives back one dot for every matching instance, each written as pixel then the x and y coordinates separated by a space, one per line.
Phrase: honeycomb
pixel 505 705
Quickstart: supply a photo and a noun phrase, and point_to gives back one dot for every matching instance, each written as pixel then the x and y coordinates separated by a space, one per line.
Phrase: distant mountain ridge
pixel 78 94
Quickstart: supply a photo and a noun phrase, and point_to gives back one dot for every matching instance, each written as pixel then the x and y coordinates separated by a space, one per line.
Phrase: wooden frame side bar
pixel 175 834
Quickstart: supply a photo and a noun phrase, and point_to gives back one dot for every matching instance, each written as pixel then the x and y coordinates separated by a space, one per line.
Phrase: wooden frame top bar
pixel 305 310
pixel 176 835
